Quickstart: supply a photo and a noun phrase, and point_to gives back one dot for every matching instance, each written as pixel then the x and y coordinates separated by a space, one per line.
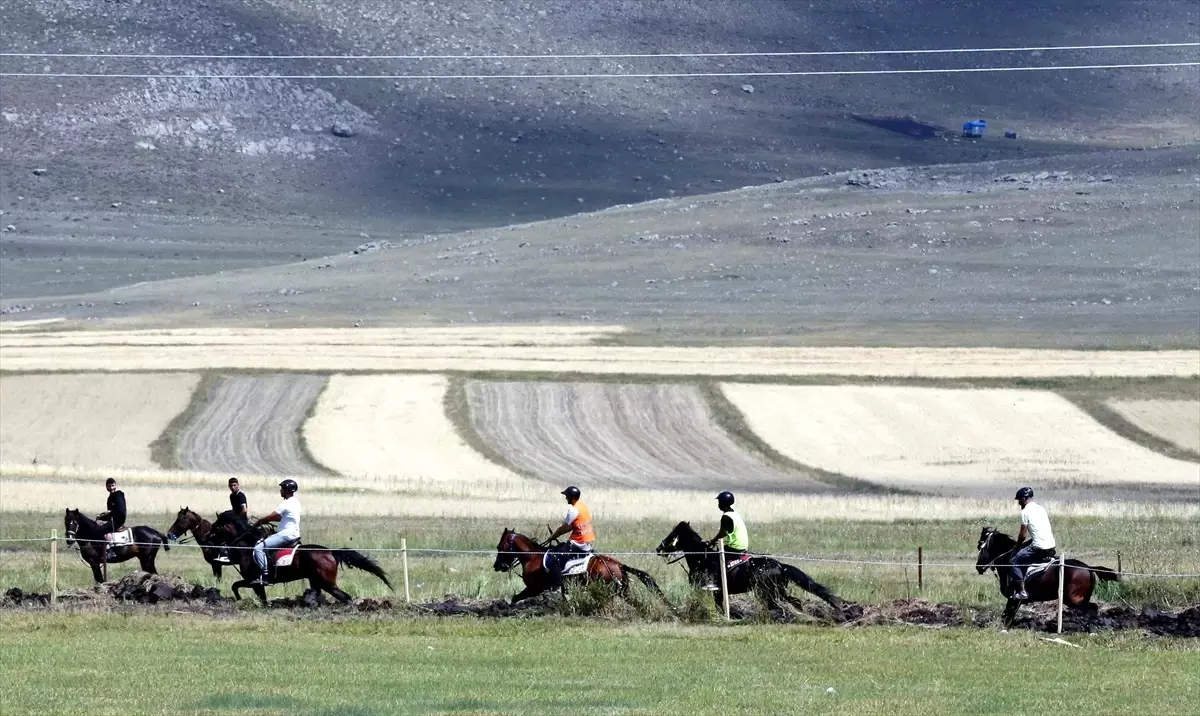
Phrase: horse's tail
pixel 1105 574
pixel 645 579
pixel 166 543
pixel 358 560
pixel 798 577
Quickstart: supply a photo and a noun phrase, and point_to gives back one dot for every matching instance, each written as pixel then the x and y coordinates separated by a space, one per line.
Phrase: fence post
pixel 1119 570
pixel 404 559
pixel 724 583
pixel 1062 561
pixel 920 569
pixel 53 567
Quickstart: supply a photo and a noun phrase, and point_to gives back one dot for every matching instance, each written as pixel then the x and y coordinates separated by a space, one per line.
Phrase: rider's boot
pixel 223 556
pixel 262 581
pixel 110 555
pixel 1019 592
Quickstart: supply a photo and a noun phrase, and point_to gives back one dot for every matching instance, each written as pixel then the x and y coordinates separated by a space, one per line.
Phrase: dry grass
pixel 942 439
pixel 1176 421
pixel 543 349
pixel 49 490
pixel 88 420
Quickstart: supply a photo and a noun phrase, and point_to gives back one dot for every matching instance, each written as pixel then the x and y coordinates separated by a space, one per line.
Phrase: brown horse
pixel 202 531
pixel 317 564
pixel 1079 580
pixel 515 547
pixel 94 549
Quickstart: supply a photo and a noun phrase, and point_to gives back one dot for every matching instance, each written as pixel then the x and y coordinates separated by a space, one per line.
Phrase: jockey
pixel 239 513
pixel 732 530
pixel 1035 524
pixel 113 519
pixel 578 522
pixel 287 513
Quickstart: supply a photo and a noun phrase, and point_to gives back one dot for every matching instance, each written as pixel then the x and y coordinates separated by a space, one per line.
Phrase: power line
pixel 595 56
pixel 573 76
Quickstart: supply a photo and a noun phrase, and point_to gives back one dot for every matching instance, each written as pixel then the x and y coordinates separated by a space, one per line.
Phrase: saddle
pixel 735 560
pixel 120 538
pixel 566 564
pixel 283 557
pixel 1042 565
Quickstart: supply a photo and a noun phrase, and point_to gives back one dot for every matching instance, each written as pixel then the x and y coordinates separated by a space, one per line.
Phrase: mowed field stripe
pixel 979 441
pixel 250 424
pixel 1176 421
pixel 394 426
pixel 88 420
pixel 639 435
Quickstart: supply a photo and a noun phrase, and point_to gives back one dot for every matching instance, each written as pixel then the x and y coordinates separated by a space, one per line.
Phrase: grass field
pixel 1146 545
pixel 260 665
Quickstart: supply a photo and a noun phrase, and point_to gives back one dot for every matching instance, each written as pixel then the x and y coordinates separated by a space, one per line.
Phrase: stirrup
pixel 710 587
pixel 262 581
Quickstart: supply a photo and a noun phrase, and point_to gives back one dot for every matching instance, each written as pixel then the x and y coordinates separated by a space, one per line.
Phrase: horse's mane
pixel 85 521
pixel 685 529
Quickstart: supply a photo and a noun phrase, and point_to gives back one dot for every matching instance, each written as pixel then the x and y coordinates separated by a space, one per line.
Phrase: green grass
pixel 278 664
pixel 1154 546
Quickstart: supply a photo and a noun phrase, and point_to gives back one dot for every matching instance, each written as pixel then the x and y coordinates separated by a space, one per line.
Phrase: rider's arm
pixel 726 528
pixel 1022 535
pixel 562 530
pixel 273 517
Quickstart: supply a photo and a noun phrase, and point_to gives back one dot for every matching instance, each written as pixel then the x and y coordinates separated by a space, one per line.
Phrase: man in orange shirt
pixel 578 522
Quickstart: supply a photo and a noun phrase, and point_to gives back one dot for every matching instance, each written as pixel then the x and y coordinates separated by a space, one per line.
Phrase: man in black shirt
pixel 238 514
pixel 114 518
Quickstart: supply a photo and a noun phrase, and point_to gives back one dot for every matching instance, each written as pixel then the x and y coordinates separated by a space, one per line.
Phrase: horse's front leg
pixel 97 573
pixel 1010 611
pixel 527 592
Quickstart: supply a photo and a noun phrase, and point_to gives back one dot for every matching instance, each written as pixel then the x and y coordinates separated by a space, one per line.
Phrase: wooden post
pixel 920 569
pixel 104 553
pixel 53 567
pixel 724 582
pixel 404 558
pixel 1119 570
pixel 1062 561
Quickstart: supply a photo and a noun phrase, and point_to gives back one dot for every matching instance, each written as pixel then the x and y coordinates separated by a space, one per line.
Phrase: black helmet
pixel 1025 493
pixel 572 492
pixel 290 485
pixel 725 498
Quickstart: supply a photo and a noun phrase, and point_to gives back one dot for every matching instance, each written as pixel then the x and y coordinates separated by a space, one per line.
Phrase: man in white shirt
pixel 287 513
pixel 1035 524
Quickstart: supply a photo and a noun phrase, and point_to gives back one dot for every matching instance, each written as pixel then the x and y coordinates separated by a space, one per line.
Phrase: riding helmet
pixel 290 485
pixel 1025 493
pixel 572 492
pixel 725 498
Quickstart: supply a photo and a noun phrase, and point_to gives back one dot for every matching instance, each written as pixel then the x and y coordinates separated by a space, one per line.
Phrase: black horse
pixel 210 536
pixel 766 577
pixel 1079 580
pixel 317 564
pixel 93 548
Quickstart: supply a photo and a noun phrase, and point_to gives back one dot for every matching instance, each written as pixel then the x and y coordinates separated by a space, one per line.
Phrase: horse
pixel 314 562
pixel 765 577
pixel 514 547
pixel 205 534
pixel 93 548
pixel 1079 579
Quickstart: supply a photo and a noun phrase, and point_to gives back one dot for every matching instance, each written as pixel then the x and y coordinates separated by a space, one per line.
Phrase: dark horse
pixel 515 547
pixel 995 550
pixel 94 549
pixel 210 537
pixel 766 577
pixel 317 564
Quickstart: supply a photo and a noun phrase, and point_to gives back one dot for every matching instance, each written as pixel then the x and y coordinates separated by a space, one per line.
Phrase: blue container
pixel 974 128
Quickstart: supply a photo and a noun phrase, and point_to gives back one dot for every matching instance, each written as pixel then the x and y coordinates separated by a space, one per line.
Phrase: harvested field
pixel 951 441
pixel 544 350
pixel 94 420
pixel 251 424
pixel 1176 421
pixel 395 426
pixel 593 434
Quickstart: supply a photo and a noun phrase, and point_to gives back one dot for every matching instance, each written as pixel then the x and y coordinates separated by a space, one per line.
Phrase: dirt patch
pixel 138 587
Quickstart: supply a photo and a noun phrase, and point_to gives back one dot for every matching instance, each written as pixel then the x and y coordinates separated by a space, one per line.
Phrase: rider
pixel 1035 524
pixel 287 513
pixel 732 530
pixel 113 519
pixel 578 522
pixel 239 513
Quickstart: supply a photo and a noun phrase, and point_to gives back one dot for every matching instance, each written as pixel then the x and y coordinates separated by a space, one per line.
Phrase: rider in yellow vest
pixel 733 531
pixel 578 522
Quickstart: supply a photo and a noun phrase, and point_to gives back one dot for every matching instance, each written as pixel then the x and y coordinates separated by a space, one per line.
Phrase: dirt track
pixel 250 424
pixel 595 434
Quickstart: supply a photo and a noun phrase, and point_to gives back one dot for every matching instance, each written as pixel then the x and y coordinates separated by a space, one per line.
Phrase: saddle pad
pixel 574 566
pixel 120 537
pixel 1041 567
pixel 730 564
pixel 284 557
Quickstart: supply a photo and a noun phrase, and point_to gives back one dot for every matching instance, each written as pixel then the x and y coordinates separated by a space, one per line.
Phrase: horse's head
pixel 71 525
pixel 185 520
pixel 506 550
pixel 992 545
pixel 670 543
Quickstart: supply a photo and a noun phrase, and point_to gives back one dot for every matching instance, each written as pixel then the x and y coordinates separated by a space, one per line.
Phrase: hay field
pixel 543 350
pixel 250 424
pixel 88 420
pixel 606 434
pixel 950 441
pixel 380 427
pixel 1176 421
